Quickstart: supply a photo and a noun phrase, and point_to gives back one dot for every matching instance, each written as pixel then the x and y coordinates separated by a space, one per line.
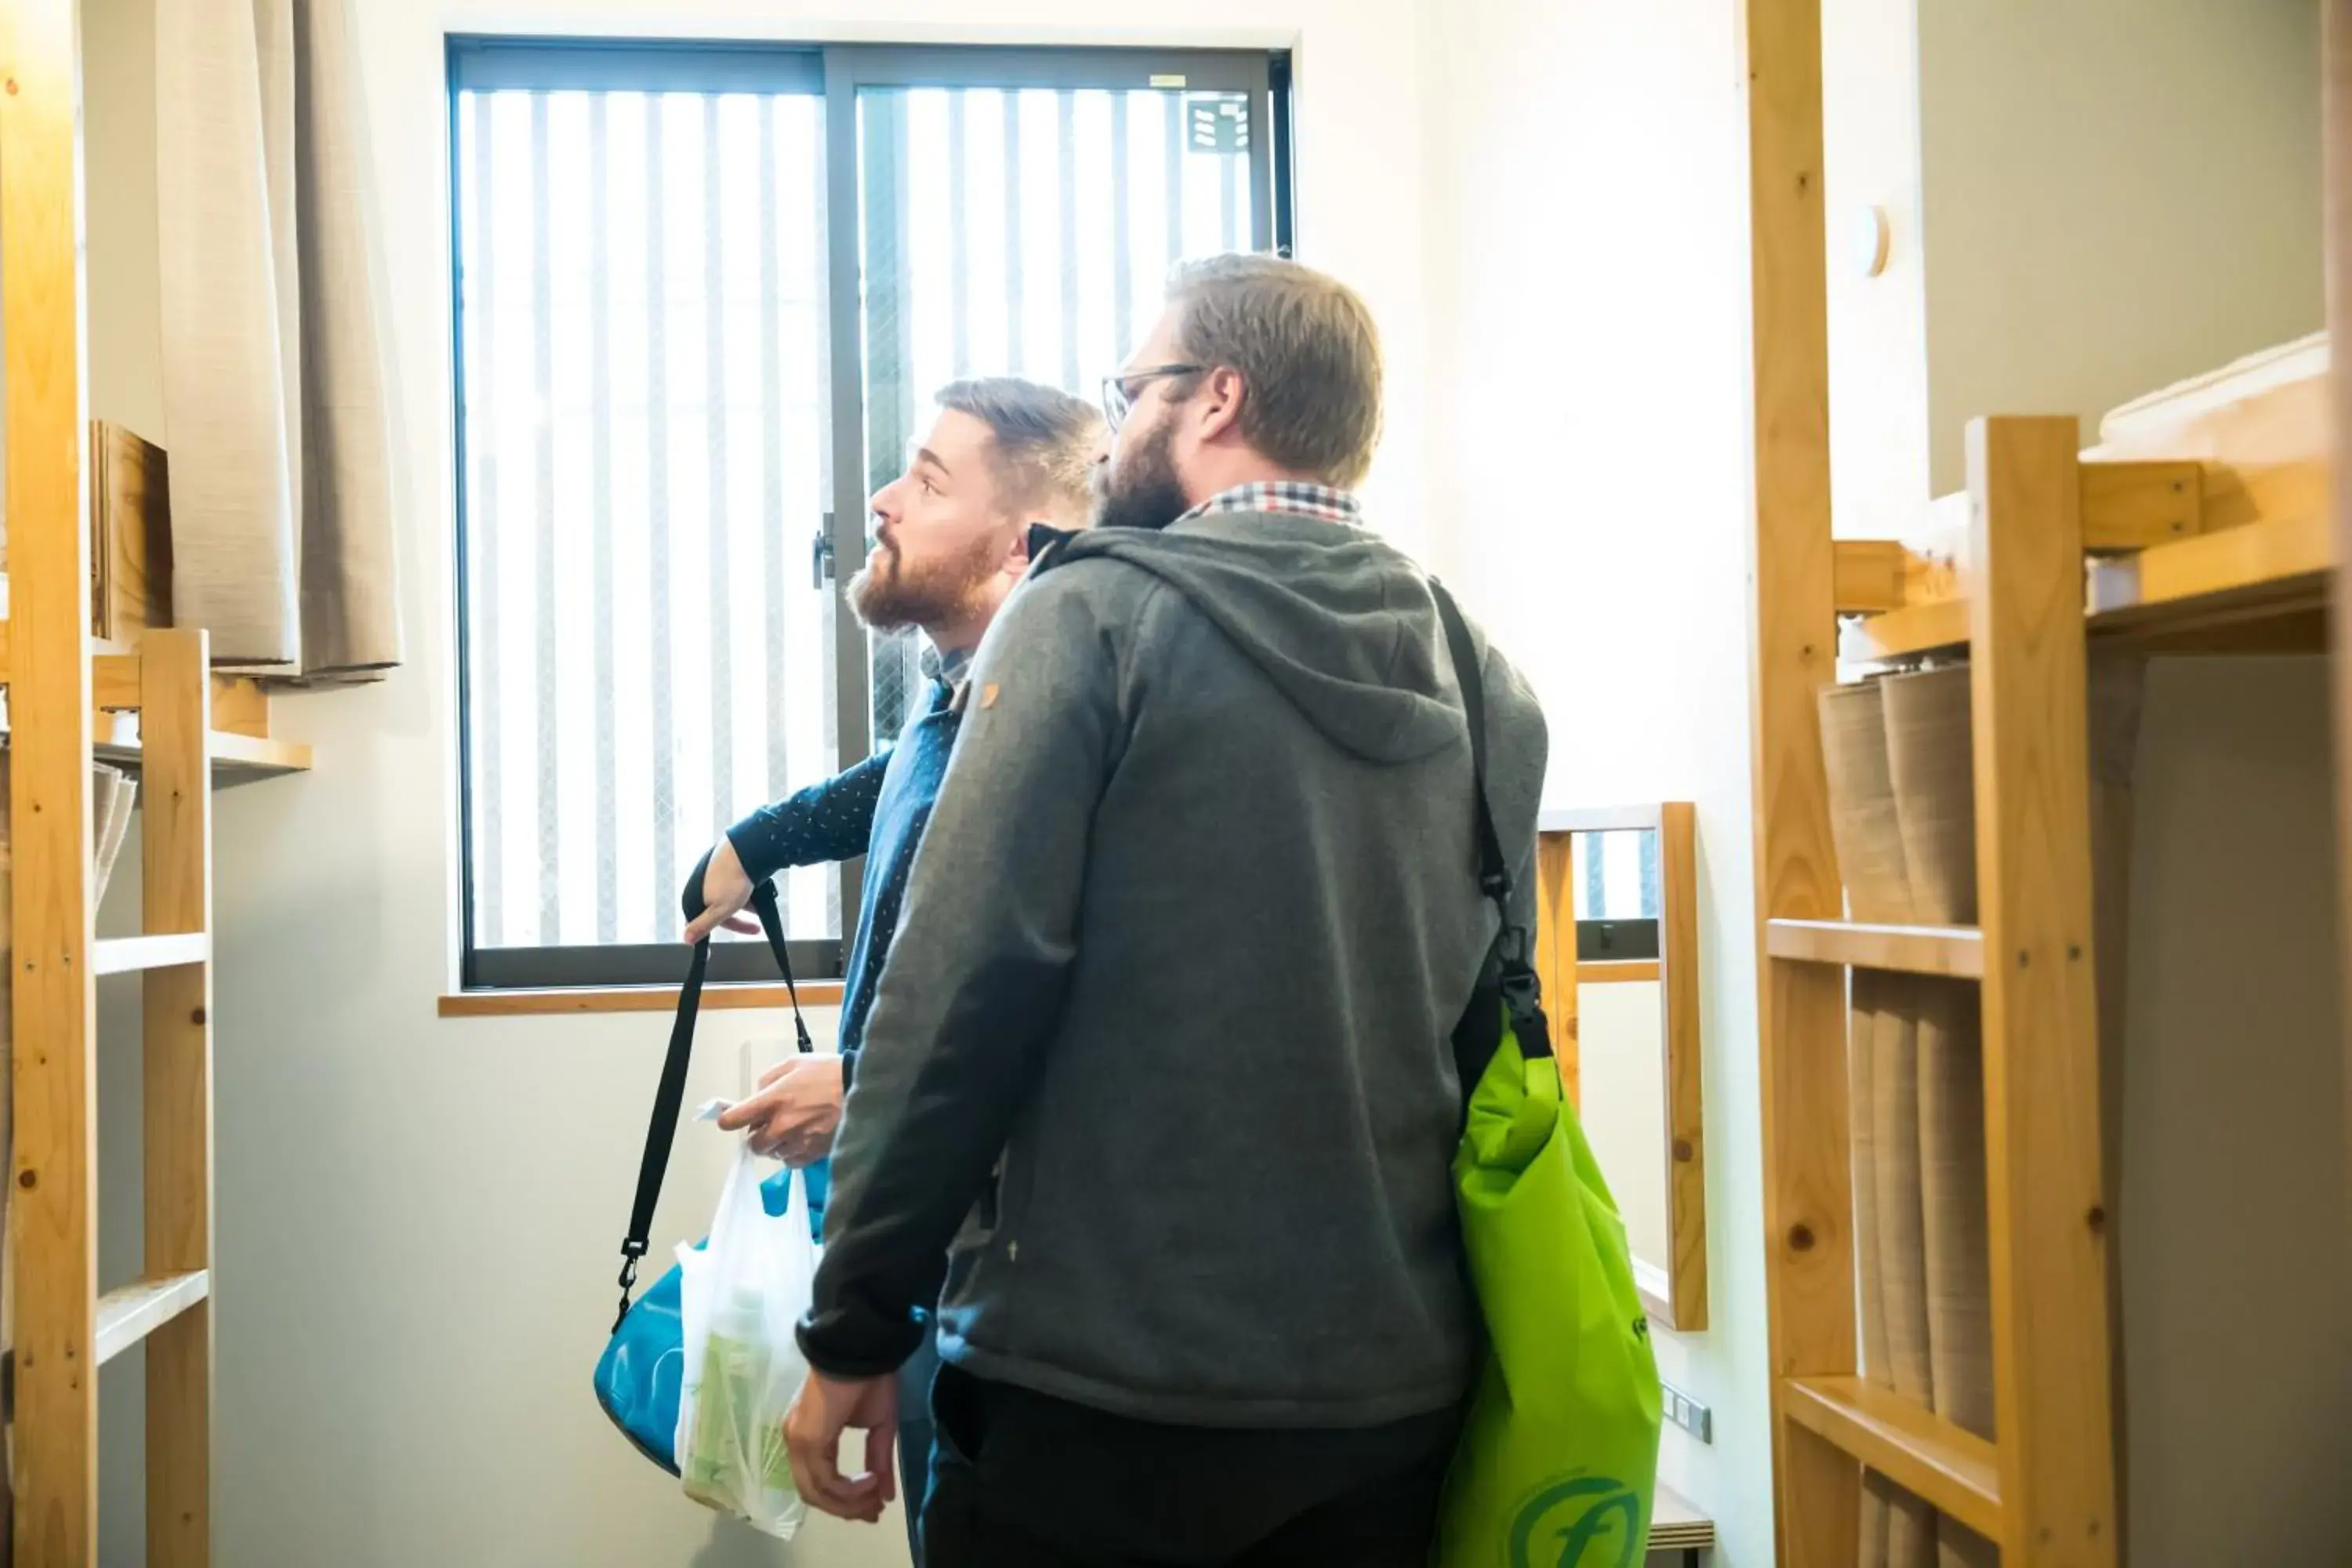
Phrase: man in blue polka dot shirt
pixel 952 541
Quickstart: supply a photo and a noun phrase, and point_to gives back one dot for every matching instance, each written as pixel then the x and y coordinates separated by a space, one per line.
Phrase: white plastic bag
pixel 739 1296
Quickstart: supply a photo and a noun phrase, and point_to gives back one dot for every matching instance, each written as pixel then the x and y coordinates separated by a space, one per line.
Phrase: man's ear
pixel 1016 554
pixel 1223 394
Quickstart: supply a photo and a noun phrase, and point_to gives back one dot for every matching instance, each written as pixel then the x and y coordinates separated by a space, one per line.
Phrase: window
pixel 704 294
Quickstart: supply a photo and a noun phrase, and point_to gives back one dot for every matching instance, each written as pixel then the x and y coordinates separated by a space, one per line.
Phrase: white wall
pixel 418 1219
pixel 2119 192
pixel 1878 334
pixel 1589 470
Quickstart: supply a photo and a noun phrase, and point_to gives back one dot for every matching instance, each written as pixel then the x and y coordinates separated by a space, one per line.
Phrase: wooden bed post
pixel 54 1010
pixel 2336 130
pixel 1807 1189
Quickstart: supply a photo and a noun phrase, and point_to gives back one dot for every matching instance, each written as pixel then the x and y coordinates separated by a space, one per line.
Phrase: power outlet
pixel 1689 1415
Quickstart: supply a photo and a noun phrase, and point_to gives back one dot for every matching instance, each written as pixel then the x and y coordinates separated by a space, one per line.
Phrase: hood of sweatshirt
pixel 1341 622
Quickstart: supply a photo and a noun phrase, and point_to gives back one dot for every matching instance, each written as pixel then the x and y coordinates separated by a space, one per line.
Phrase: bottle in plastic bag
pixel 740 1297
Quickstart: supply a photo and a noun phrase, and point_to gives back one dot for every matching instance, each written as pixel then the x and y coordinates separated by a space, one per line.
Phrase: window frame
pixel 835 73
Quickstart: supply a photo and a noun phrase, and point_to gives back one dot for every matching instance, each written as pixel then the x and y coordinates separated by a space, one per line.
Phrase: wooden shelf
pixel 129 1315
pixel 1957 951
pixel 241 753
pixel 1903 1441
pixel 2234 586
pixel 236 758
pixel 137 954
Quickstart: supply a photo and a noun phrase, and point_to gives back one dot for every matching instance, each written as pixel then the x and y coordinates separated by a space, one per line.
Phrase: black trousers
pixel 1022 1480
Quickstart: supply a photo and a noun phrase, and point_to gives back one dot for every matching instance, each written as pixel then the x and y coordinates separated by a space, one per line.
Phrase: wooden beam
pixel 240 707
pixel 1808 1182
pixel 1619 972
pixel 1954 950
pixel 629 999
pixel 1685 1121
pixel 1557 970
pixel 1872 575
pixel 1905 1442
pixel 2338 138
pixel 176 867
pixel 2047 1212
pixel 54 1206
pixel 2133 505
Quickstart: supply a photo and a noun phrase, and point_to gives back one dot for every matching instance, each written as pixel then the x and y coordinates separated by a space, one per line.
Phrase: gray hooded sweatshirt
pixel 1159 1081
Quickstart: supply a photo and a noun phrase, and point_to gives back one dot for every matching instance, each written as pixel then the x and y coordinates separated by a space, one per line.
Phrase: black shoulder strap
pixel 669 1096
pixel 1494 872
pixel 1513 964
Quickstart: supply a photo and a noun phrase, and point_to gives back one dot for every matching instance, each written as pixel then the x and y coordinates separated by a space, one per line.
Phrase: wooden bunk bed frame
pixel 62 682
pixel 2045 552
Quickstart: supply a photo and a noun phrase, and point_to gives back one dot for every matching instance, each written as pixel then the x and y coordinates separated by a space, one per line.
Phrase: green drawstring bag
pixel 1558 1462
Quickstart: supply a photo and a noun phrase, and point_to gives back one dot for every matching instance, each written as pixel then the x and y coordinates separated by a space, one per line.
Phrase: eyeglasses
pixel 1120 392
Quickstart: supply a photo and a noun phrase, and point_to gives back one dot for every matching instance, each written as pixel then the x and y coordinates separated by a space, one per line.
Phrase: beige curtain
pixel 275 384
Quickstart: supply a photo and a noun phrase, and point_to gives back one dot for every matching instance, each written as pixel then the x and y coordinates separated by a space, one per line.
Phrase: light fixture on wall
pixel 1872 236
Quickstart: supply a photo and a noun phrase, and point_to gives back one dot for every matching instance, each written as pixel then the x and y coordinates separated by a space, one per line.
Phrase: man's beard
pixel 890 597
pixel 1139 491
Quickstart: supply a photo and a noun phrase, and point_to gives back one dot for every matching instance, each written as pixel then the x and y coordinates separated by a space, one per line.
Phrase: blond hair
pixel 1045 441
pixel 1304 346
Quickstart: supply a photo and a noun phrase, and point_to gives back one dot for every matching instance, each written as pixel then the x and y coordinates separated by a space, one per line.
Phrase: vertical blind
pixel 644 405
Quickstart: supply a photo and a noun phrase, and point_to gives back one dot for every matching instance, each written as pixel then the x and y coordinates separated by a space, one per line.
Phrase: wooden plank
pixel 2238 576
pixel 53 1211
pixel 1618 972
pixel 177 865
pixel 1914 629
pixel 1954 950
pixel 2133 505
pixel 240 707
pixel 2338 100
pixel 1598 819
pixel 129 1315
pixel 1808 1192
pixel 629 999
pixel 114 681
pixel 1871 575
pixel 1557 971
pixel 236 755
pixel 1906 1443
pixel 131 531
pixel 1677 1525
pixel 133 954
pixel 1686 1124
pixel 2047 1213
pixel 2279 552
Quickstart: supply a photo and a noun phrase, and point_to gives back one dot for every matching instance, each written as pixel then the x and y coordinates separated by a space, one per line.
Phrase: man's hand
pixel 726 889
pixel 824 1408
pixel 796 1112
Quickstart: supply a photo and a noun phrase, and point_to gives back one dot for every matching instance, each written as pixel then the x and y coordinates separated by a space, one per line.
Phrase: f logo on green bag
pixel 1586 1521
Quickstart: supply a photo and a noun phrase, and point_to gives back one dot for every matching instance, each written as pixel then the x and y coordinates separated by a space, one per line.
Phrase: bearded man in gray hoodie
pixel 1158 1099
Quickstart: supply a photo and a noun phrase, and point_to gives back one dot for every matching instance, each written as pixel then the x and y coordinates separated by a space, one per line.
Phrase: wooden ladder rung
pixel 133 955
pixel 1957 951
pixel 1923 1453
pixel 129 1315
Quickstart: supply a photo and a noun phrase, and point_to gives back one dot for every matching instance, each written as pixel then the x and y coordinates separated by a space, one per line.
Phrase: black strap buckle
pixel 631 1250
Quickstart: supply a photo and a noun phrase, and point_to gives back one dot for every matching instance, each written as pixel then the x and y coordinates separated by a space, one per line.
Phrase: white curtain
pixel 275 384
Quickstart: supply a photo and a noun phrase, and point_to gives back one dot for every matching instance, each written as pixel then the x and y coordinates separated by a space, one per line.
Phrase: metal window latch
pixel 821 554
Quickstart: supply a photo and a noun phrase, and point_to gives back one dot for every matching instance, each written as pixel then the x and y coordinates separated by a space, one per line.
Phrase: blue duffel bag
pixel 638 1376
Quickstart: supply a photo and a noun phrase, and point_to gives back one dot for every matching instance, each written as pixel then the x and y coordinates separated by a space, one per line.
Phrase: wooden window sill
pixel 630 999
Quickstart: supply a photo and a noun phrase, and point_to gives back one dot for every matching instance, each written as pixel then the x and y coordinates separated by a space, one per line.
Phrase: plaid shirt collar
pixel 1294 497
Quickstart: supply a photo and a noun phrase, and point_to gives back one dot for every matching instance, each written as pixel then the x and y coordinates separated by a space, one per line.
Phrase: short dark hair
pixel 1045 438
pixel 1306 348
